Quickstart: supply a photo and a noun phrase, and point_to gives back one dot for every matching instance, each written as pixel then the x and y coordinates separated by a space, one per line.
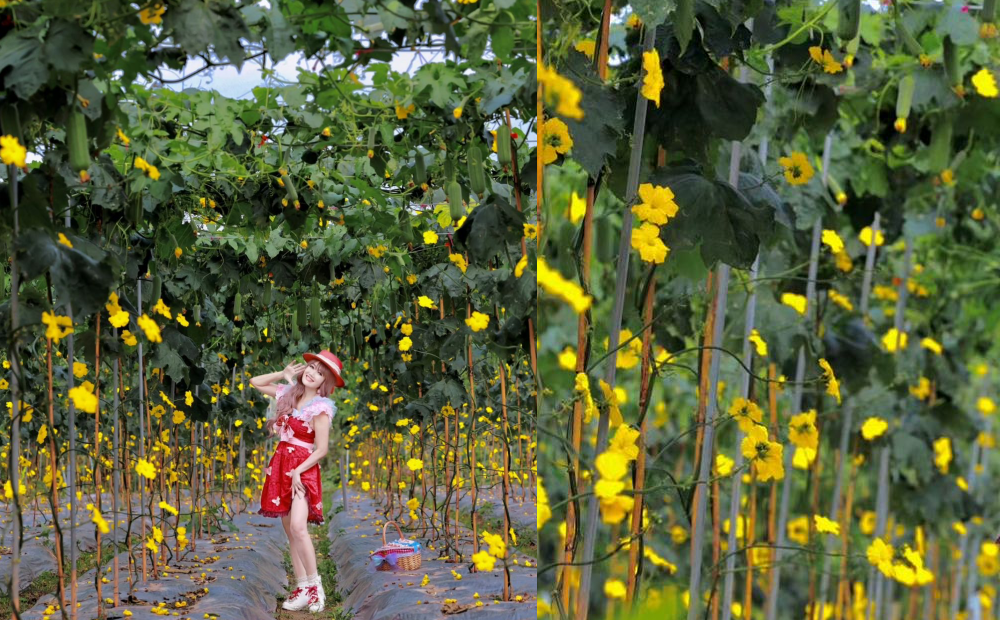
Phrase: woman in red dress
pixel 292 488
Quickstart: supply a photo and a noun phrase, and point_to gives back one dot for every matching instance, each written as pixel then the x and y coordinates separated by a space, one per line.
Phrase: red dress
pixel 295 430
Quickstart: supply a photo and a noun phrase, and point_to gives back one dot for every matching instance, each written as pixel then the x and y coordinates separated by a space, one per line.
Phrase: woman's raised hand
pixel 292 370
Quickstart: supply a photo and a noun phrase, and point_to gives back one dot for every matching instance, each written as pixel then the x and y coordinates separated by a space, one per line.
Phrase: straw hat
pixel 331 361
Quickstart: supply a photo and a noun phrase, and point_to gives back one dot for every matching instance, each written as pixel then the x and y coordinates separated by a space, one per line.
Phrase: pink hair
pixel 292 395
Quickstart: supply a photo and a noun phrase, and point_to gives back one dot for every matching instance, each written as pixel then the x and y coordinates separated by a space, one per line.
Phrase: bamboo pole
pixel 775 584
pixel 593 513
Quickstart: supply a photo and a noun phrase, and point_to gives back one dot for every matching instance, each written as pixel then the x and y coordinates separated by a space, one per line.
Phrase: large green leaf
pixel 596 134
pixel 727 226
pixel 490 226
pixel 22 63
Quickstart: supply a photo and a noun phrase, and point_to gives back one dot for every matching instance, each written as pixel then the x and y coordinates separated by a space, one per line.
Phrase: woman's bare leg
pixel 293 543
pixel 300 531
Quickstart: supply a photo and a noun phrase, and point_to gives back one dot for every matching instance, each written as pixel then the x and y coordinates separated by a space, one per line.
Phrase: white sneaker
pixel 317 597
pixel 298 599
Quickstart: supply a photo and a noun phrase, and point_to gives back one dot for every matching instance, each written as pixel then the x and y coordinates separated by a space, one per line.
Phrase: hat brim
pixel 309 357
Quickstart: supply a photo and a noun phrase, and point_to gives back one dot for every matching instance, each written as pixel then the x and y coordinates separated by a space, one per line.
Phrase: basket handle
pixel 384 527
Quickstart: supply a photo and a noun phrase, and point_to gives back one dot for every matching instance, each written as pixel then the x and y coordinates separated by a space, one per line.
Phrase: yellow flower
pixel 552 282
pixel 459 261
pixel 948 176
pixel 894 340
pixel 723 465
pixel 880 555
pixel 150 327
pixel 798 170
pixel 79 370
pixel 162 308
pixel 802 430
pixel 765 455
pixel 557 87
pixel 832 384
pixel 826 59
pixel 84 398
pixel 415 464
pixel 900 125
pixel 178 252
pixel 747 413
pixel 985 405
pixel 942 454
pixel 430 237
pixel 425 302
pixel 58 327
pixel 129 338
pixel 614 589
pixel 657 204
pixel 402 112
pixel 484 561
pixel 478 321
pixel 63 239
pixel 98 519
pixel 146 469
pixel 873 428
pixel 124 139
pixel 866 237
pixel 758 342
pixel 521 265
pixel 832 239
pixel 985 83
pixel 652 81
pixel 586 47
pixel 646 239
pixel 11 152
pixel 840 300
pixel 796 301
pixel 457 112
pixel 932 345
pixel 531 231
pixel 556 139
pixel 798 530
pixel 826 526
pixel 153 14
pixel 405 343
pixel 150 170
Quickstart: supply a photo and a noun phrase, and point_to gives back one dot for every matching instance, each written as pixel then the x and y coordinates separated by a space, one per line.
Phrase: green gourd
pixel 503 145
pixel 238 304
pixel 157 287
pixel 290 191
pixel 449 169
pixel 197 313
pixel 295 323
pixel 455 200
pixel 419 168
pixel 76 144
pixel 988 12
pixel 300 311
pixel 267 293
pixel 848 19
pixel 315 311
pixel 477 175
pixel 904 97
pixel 371 137
pixel 951 63
pixel 903 36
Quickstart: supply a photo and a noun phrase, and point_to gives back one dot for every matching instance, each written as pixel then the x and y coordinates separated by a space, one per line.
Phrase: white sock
pixel 302 583
pixel 314 579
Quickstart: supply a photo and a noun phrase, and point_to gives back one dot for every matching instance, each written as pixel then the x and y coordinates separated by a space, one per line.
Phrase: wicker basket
pixel 406 561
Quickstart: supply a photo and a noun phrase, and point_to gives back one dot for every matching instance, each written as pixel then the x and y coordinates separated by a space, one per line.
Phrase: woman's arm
pixel 265 383
pixel 321 426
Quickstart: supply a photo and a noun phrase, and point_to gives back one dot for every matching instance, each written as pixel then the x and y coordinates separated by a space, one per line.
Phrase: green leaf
pixel 67 46
pixel 651 12
pixel 490 225
pixel 595 137
pixel 726 224
pixel 728 106
pixel 442 80
pixel 195 26
pixel 961 26
pixel 82 274
pixel 22 53
pixel 683 22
